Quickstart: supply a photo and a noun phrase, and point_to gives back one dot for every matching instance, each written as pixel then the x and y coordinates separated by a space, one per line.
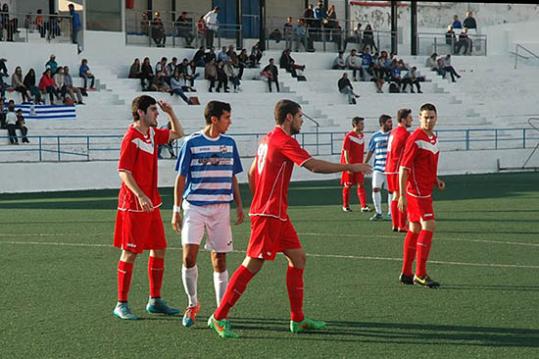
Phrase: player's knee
pixel 219 262
pixel 128 257
pixel 189 260
pixel 414 227
pixel 429 226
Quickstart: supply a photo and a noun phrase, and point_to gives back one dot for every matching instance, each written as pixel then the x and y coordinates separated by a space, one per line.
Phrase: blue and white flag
pixel 47 112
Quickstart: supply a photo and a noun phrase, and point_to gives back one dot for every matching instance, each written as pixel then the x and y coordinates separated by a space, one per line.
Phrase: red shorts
pixel 139 231
pixel 392 182
pixel 271 235
pixel 419 208
pixel 349 179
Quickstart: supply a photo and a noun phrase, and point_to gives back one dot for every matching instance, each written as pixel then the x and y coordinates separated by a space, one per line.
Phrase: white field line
pixel 94 245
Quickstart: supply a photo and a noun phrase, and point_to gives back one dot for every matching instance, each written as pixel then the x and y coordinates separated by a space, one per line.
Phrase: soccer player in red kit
pixel 138 222
pixel 271 228
pixel 395 148
pixel 417 178
pixel 353 149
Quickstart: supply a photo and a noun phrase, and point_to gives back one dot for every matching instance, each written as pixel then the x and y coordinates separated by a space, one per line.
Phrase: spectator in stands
pixel 450 37
pixel 30 83
pixel 18 84
pixel 433 64
pixel 331 18
pixel 378 70
pixel 184 28
pixel 40 23
pixel 222 78
pixel 161 72
pixel 134 71
pixel 7 23
pixel 201 31
pixel 74 92
pixel 232 75
pixel 243 62
pixel 368 37
pixel 355 37
pixel 256 55
pixel 223 55
pixel 169 145
pixel 2 115
pixel 469 21
pixel 412 78
pixel 456 23
pixel 75 25
pixel 367 62
pixel 158 30
pixel 271 72
pixel 47 85
pixel 54 26
pixel 396 69
pixel 448 68
pixel 212 25
pixel 147 74
pixel 464 41
pixel 177 85
pixel 320 14
pixel 21 125
pixel 52 64
pixel 198 58
pixel 345 87
pixel 288 32
pixel 300 35
pixel 308 16
pixel 171 67
pixel 59 81
pixel 86 74
pixel 289 64
pixel 353 62
pixel 3 73
pixel 210 55
pixel 339 63
pixel 210 73
pixel 11 123
pixel 188 72
pixel 145 17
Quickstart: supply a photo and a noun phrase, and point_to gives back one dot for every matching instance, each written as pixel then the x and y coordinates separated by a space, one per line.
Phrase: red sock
pixel 362 196
pixel 236 286
pixel 402 219
pixel 294 284
pixel 346 196
pixel 408 252
pixel 156 269
pixel 125 272
pixel 394 214
pixel 424 243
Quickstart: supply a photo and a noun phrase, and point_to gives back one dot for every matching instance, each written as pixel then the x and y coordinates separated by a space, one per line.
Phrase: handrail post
pixel 40 149
pixel 88 148
pixel 58 144
pixel 523 138
pixel 467 139
pixel 496 138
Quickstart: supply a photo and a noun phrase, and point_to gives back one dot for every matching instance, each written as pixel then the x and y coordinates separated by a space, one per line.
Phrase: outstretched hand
pixel 360 167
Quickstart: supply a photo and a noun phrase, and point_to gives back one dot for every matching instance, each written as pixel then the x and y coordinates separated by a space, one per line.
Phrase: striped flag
pixel 47 112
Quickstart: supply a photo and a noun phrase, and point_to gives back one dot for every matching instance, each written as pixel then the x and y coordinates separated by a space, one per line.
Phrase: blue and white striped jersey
pixel 208 165
pixel 378 145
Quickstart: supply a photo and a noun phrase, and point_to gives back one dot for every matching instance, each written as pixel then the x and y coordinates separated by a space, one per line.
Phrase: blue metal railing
pixel 65 148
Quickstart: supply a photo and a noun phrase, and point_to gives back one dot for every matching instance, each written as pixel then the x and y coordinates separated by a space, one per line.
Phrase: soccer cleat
pixel 190 315
pixel 394 229
pixel 406 279
pixel 376 217
pixel 387 217
pixel 306 325
pixel 403 230
pixel 366 209
pixel 425 282
pixel 222 328
pixel 159 306
pixel 347 209
pixel 122 311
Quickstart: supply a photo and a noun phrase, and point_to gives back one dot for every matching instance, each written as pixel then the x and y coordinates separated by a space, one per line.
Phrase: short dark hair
pixel 283 108
pixel 383 119
pixel 141 103
pixel 356 120
pixel 403 113
pixel 215 108
pixel 428 107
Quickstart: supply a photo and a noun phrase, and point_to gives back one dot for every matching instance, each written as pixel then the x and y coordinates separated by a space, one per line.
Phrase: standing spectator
pixel 47 85
pixel 469 21
pixel 3 73
pixel 300 35
pixel 456 23
pixel 212 25
pixel 339 63
pixel 11 123
pixel 147 75
pixel 18 84
pixel 243 60
pixel 52 64
pixel 354 63
pixel 184 28
pixel 355 37
pixel 202 30
pixel 288 32
pixel 54 26
pixel 40 23
pixel 450 37
pixel 7 23
pixel 2 115
pixel 464 40
pixel 345 87
pixel 308 16
pixel 448 68
pixel 198 58
pixel 319 18
pixel 271 72
pixel 158 30
pixel 30 83
pixel 74 92
pixel 86 74
pixel 75 26
pixel 368 37
pixel 210 73
pixel 21 125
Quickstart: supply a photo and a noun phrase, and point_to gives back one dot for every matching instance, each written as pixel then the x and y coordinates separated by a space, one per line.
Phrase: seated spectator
pixel 147 74
pixel 158 31
pixel 184 28
pixel 366 61
pixel 210 55
pixel 378 70
pixel 243 62
pixel 232 75
pixel 74 92
pixel 271 72
pixel 59 80
pixel 339 63
pixel 288 32
pixel 198 58
pixel 464 41
pixel 345 87
pixel 161 72
pixel 188 73
pixel 256 55
pixel 160 84
pixel 30 83
pixel 18 84
pixel 52 64
pixel 353 62
pixel 11 123
pixel 448 68
pixel 396 69
pixel 21 125
pixel 450 37
pixel 210 73
pixel 171 67
pixel 433 64
pixel 469 21
pixel 86 74
pixel 287 62
pixel 135 71
pixel 177 85
pixel 411 78
pixel 47 85
pixel 456 23
pixel 222 78
pixel 276 35
pixel 223 55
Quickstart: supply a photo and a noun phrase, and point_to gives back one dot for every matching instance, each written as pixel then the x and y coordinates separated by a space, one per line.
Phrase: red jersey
pixel 421 159
pixel 138 155
pixel 395 148
pixel 354 144
pixel 275 158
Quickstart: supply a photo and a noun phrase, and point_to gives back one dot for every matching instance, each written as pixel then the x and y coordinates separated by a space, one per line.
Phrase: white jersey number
pixel 261 154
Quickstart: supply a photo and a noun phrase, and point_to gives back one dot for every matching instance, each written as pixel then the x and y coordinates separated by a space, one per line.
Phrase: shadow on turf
pixel 483 232
pixel 505 288
pixel 401 333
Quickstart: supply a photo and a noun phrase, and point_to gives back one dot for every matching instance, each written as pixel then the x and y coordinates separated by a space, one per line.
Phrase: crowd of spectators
pixel 462 40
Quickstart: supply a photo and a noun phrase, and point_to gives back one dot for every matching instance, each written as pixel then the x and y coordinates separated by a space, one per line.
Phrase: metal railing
pixel 443 44
pixel 18 27
pixel 519 47
pixel 65 148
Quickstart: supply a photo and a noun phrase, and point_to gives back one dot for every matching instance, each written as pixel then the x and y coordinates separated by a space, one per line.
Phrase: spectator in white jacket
pixel 212 25
pixel 354 63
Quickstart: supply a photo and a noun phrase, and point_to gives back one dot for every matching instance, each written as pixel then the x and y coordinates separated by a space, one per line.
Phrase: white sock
pixel 189 279
pixel 377 200
pixel 220 281
pixel 389 200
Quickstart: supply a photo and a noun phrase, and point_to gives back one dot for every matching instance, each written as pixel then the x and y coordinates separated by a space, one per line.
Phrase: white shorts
pixel 215 219
pixel 379 180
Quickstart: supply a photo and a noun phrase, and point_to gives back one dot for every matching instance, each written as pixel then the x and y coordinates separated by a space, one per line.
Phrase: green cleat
pixel 306 325
pixel 159 306
pixel 122 311
pixel 222 327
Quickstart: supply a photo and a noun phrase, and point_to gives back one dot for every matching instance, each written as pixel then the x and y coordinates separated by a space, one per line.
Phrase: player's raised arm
pixel 320 166
pixel 176 127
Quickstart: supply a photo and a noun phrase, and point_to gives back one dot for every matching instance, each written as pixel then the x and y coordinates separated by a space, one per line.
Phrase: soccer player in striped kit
pixel 205 186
